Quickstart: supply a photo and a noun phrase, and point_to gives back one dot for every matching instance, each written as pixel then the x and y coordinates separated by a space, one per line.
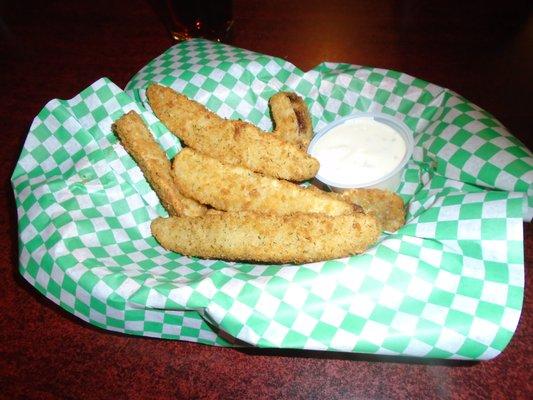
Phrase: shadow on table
pixel 331 355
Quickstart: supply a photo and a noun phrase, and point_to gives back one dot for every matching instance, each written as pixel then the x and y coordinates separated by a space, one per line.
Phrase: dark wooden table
pixel 56 48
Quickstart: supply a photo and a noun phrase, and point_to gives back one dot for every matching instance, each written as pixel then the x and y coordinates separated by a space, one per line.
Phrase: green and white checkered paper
pixel 449 284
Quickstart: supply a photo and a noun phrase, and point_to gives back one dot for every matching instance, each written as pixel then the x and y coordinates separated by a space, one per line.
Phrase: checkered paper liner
pixel 449 284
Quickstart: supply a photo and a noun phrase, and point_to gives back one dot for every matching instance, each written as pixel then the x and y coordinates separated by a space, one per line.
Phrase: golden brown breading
pixel 153 162
pixel 292 121
pixel 248 236
pixel 387 206
pixel 231 141
pixel 233 188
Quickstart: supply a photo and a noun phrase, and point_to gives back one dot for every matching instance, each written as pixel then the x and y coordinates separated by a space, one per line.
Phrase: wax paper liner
pixel 449 284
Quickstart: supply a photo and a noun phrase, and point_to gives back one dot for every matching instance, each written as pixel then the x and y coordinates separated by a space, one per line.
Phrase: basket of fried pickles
pixel 234 191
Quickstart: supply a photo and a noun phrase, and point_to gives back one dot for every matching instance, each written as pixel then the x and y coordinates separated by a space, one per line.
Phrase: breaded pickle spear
pixel 291 118
pixel 153 162
pixel 248 236
pixel 230 141
pixel 386 206
pixel 233 188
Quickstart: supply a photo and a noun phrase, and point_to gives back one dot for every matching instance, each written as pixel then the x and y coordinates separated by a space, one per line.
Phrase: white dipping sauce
pixel 359 151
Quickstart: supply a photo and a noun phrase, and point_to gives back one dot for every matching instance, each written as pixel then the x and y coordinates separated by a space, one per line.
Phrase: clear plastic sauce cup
pixel 362 150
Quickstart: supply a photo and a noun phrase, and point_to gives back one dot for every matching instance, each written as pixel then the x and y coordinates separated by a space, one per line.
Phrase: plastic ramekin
pixel 390 181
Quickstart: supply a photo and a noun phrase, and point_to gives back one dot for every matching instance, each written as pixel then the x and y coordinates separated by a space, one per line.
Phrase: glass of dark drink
pixel 209 19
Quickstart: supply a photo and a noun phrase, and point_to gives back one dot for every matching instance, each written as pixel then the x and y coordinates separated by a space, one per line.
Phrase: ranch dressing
pixel 359 151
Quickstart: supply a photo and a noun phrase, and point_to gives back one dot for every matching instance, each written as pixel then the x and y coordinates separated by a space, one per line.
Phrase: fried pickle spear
pixel 292 121
pixel 230 141
pixel 233 188
pixel 153 162
pixel 386 206
pixel 248 236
